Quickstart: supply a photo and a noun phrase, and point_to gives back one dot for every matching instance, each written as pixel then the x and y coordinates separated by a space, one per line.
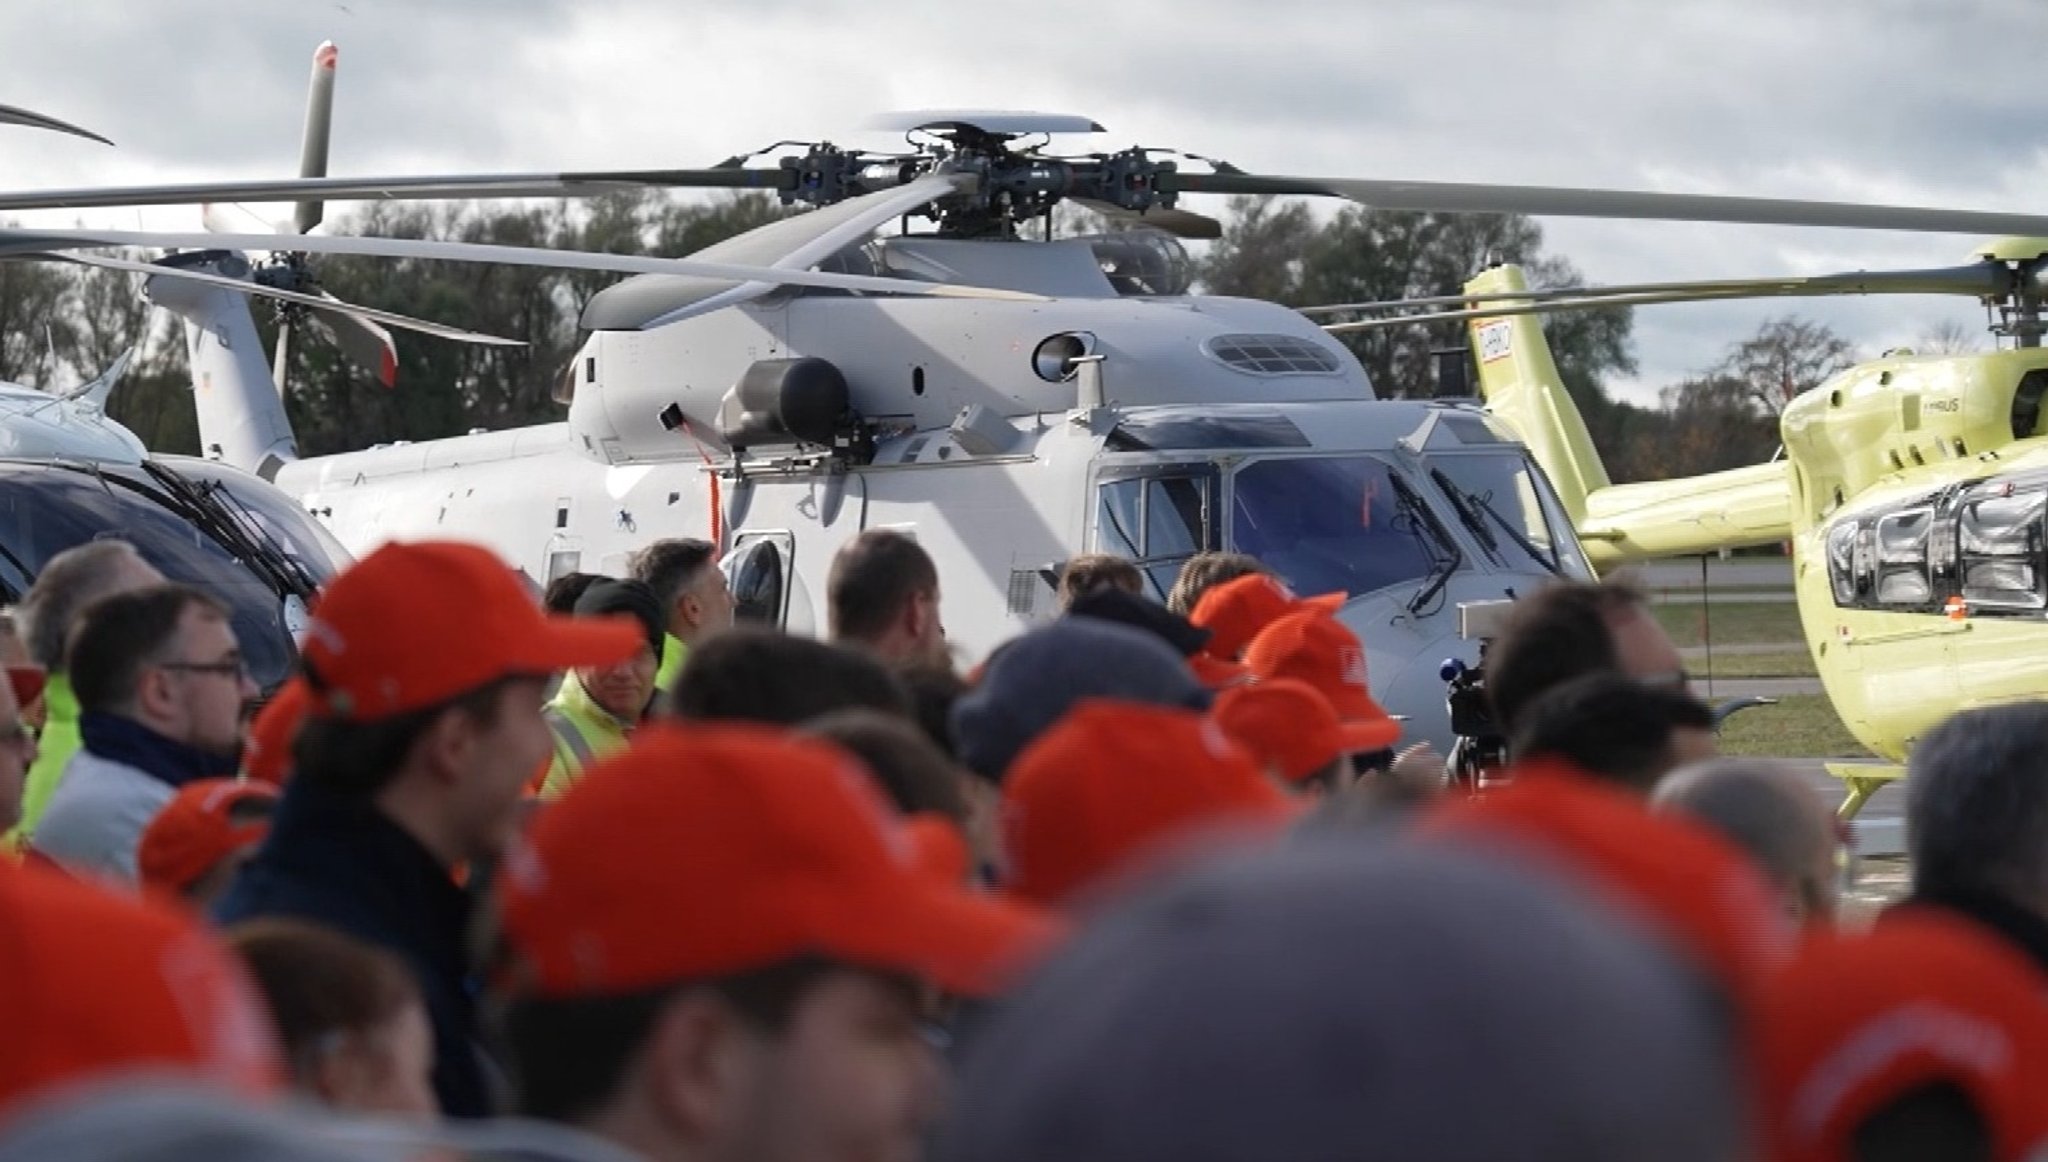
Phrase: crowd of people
pixel 599 873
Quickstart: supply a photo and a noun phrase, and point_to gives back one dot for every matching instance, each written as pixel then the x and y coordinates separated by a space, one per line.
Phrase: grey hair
pixel 1760 806
pixel 69 581
pixel 671 566
pixel 1977 802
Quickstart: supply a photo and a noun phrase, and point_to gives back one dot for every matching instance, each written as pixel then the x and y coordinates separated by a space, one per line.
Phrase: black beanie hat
pixel 609 596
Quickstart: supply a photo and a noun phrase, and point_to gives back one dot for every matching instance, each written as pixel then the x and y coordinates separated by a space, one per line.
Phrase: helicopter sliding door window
pixel 758 570
pixel 2000 545
pixel 1158 516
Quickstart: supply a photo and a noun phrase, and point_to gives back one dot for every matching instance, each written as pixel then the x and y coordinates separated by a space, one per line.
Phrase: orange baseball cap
pixel 1235 611
pixel 267 752
pixel 1685 881
pixel 100 984
pixel 1289 724
pixel 27 683
pixel 1216 673
pixel 415 624
pixel 1112 781
pixel 198 828
pixel 697 854
pixel 1314 647
pixel 1855 1022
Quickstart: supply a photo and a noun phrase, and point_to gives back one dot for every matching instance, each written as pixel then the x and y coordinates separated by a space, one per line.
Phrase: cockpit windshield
pixel 46 508
pixel 1337 524
pixel 1509 510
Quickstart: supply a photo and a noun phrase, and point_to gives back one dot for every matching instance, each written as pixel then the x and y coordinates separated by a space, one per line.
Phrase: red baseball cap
pixel 1856 1021
pixel 1235 611
pixel 699 853
pixel 27 682
pixel 1114 780
pixel 100 984
pixel 1314 647
pixel 198 828
pixel 267 752
pixel 1688 883
pixel 415 624
pixel 1216 673
pixel 1289 724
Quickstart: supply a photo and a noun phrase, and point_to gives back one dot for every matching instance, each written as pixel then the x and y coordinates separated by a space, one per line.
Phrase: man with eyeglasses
pixel 162 691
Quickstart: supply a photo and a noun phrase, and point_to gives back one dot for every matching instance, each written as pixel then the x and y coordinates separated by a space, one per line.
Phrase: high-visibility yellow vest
pixel 584 732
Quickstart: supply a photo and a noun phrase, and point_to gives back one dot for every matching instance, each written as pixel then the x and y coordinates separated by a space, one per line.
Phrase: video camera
pixel 1480 752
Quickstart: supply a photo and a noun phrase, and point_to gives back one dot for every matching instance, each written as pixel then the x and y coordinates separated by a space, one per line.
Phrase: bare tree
pixel 1787 356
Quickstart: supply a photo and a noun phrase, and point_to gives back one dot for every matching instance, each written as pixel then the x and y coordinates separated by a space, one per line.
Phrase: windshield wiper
pixel 214 520
pixel 1444 554
pixel 1461 498
pixel 1462 503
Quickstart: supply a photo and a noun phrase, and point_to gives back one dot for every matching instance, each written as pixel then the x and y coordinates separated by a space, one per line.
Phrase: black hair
pixel 756 674
pixel 1610 726
pixel 116 638
pixel 359 759
pixel 1558 633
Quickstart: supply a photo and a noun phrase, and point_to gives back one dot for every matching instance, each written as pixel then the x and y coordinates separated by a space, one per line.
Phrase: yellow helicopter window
pixel 1842 563
pixel 1902 558
pixel 2000 546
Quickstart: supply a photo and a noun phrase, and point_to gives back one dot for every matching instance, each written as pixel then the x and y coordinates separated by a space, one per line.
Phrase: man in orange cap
pixel 427 664
pixel 1290 727
pixel 1310 645
pixel 99 985
pixel 267 752
pixel 1235 611
pixel 1115 782
pixel 715 942
pixel 1925 1037
pixel 203 836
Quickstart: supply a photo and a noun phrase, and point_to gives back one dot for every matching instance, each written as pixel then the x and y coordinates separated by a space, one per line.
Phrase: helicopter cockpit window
pixel 1999 543
pixel 1901 547
pixel 1158 521
pixel 1335 524
pixel 754 572
pixel 1516 517
pixel 1842 574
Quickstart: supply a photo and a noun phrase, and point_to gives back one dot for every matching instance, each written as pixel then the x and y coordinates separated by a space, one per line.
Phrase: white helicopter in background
pixel 1011 402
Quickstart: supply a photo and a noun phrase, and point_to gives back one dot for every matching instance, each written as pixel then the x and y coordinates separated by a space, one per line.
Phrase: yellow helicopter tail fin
pixel 1519 380
pixel 1617 523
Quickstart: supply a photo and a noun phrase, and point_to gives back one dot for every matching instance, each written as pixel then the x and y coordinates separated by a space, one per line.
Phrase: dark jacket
pixel 340 862
pixel 2020 927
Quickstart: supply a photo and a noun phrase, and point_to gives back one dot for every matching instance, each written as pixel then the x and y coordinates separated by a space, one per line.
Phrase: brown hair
pixel 116 638
pixel 914 774
pixel 1203 572
pixel 1555 634
pixel 872 578
pixel 319 982
pixel 1091 571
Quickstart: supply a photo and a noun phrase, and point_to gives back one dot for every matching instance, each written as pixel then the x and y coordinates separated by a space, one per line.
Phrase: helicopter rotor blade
pixel 412 188
pixel 1566 202
pixel 15 115
pixel 16 241
pixel 1982 280
pixel 1177 222
pixel 361 341
pixel 319 123
pixel 324 302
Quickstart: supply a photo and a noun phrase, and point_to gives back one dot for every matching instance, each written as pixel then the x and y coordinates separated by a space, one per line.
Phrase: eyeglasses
pixel 234 669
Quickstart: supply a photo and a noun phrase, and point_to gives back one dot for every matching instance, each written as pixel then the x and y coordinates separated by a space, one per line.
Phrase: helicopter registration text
pixel 1496 341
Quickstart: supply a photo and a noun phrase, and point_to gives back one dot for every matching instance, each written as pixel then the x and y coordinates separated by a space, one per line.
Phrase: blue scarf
pixel 126 741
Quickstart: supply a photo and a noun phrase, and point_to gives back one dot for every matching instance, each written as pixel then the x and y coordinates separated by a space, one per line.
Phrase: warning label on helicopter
pixel 1496 341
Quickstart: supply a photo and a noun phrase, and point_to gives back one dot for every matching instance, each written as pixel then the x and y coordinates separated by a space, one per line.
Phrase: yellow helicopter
pixel 1913 490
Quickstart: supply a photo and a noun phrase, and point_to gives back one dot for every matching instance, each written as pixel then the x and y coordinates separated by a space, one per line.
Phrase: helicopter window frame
pixel 749 546
pixel 1271 354
pixel 1126 530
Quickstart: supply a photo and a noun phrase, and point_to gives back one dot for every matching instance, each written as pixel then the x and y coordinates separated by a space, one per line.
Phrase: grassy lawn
pixel 1800 725
pixel 1732 624
pixel 1788 663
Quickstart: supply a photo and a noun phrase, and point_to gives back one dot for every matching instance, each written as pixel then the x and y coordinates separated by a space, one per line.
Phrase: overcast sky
pixel 1936 102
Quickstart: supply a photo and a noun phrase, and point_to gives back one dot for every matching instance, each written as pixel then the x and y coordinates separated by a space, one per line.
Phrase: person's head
pixel 1235 611
pixel 561 594
pixel 17 754
pixel 427 664
pixel 24 674
pixel 624 688
pixel 1114 784
pixel 909 770
pixel 933 690
pixel 1616 729
pixel 267 751
pixel 882 593
pixel 712 948
pixel 684 575
pixel 1089 572
pixel 1770 812
pixel 164 656
pixel 1569 629
pixel 199 840
pixel 1199 573
pixel 1977 805
pixel 350 1015
pixel 757 674
pixel 1294 732
pixel 1115 605
pixel 1032 681
pixel 101 985
pixel 1310 645
pixel 1338 999
pixel 1923 1039
pixel 70 581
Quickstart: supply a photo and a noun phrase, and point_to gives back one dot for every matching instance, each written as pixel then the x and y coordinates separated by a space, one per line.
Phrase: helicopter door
pixel 1158 515
pixel 761 569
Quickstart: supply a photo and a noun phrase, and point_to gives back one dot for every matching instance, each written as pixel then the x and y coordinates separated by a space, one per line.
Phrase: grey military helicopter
pixel 1009 398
